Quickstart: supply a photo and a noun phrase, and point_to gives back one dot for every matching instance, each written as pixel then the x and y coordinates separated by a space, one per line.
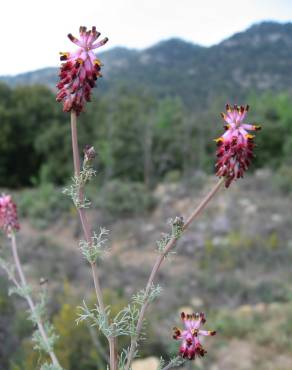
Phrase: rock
pixel 219 241
pixel 197 303
pixel 239 355
pixel 247 206
pixel 276 218
pixel 221 224
pixel 149 363
pixel 191 241
pixel 244 310
pixel 163 191
pixel 260 308
pixel 263 174
pixel 149 228
pixel 186 310
pixel 275 307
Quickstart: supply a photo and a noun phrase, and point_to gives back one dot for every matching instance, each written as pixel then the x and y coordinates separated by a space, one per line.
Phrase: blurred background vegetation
pixel 139 139
pixel 153 123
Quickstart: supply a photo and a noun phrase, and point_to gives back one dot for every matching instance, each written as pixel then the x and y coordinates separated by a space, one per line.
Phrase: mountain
pixel 257 59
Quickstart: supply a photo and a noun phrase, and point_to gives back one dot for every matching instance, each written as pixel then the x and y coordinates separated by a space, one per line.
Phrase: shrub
pixel 123 198
pixel 282 180
pixel 42 205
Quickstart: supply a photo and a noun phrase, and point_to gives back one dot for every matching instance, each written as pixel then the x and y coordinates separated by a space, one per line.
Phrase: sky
pixel 34 31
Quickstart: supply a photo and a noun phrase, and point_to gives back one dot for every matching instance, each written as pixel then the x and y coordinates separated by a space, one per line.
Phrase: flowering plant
pixel 78 74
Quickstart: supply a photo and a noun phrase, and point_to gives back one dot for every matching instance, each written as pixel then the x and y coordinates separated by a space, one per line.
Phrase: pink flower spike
pixel 191 346
pixel 79 71
pixel 235 146
pixel 8 215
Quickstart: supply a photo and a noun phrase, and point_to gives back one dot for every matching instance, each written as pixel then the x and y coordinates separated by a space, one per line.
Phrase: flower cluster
pixel 79 71
pixel 191 347
pixel 235 146
pixel 8 214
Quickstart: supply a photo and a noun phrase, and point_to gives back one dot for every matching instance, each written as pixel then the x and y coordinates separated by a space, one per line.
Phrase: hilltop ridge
pixel 259 58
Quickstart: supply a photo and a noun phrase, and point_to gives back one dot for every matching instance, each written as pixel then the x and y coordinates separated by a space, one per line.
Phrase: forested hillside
pixel 257 59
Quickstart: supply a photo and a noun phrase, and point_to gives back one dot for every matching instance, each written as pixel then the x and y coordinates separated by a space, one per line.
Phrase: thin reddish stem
pixel 113 353
pixel 169 246
pixel 76 157
pixel 29 299
pixel 87 234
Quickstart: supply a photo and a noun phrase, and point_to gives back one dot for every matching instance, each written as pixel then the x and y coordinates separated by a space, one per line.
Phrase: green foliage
pixel 25 112
pixel 274 113
pixel 257 324
pixel 241 269
pixel 125 321
pixel 7 321
pixel 47 366
pixel 40 344
pixel 75 348
pixel 42 205
pixel 22 291
pixel 78 182
pixel 138 138
pixel 124 198
pixel 82 346
pixel 174 362
pixel 177 226
pixel 96 248
pixel 239 326
pixel 281 180
pixel 141 297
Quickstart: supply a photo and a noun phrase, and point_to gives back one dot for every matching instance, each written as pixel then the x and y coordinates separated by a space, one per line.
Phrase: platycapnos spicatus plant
pixel 78 75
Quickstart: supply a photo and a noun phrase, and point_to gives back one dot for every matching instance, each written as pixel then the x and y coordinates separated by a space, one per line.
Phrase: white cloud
pixel 34 31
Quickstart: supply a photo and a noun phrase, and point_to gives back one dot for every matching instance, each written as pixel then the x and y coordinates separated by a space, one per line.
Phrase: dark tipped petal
pixel 202 317
pixel 71 37
pixel 104 41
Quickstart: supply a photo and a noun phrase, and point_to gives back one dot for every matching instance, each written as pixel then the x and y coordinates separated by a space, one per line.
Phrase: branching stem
pixel 169 246
pixel 29 299
pixel 87 235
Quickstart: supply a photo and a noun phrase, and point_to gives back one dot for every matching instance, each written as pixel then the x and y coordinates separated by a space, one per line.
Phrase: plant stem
pixel 170 365
pixel 203 203
pixel 74 135
pixel 87 235
pixel 81 211
pixel 97 343
pixel 169 246
pixel 113 353
pixel 29 299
